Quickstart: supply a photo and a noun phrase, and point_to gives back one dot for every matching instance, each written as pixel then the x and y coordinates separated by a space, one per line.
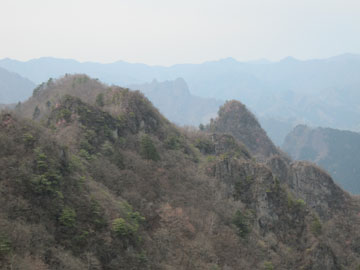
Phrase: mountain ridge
pixel 13 87
pixel 334 150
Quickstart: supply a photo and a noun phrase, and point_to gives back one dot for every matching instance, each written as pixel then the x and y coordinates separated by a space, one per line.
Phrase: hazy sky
pixel 170 31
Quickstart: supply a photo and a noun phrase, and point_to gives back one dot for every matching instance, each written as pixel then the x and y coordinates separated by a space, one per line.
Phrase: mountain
pixel 337 151
pixel 277 128
pixel 122 73
pixel 13 87
pixel 318 92
pixel 104 181
pixel 235 119
pixel 175 101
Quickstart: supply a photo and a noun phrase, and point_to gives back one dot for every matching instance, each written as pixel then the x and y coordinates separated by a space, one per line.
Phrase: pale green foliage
pixel 268 266
pixel 122 228
pixel 5 245
pixel 316 226
pixel 128 226
pixel 68 217
pixel 29 140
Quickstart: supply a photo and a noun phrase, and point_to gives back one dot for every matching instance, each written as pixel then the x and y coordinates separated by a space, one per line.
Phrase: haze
pixel 168 32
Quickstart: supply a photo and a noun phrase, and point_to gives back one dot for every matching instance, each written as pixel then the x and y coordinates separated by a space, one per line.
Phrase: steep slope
pixel 337 151
pixel 234 118
pixel 13 87
pixel 175 101
pixel 104 181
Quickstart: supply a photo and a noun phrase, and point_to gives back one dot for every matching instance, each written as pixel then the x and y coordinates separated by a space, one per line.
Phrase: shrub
pixel 41 161
pixel 316 227
pixel 205 146
pixel 242 187
pixel 127 227
pixel 68 217
pixel 36 112
pixel 29 140
pixel 46 178
pixel 85 154
pixel 148 150
pixel 268 266
pixel 123 229
pixel 107 148
pixel 5 245
pixel 97 217
pixel 64 114
pixel 297 204
pixel 241 221
pixel 173 142
pixel 100 100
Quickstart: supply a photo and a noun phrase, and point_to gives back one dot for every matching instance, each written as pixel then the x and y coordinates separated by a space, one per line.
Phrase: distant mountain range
pixel 175 101
pixel 13 87
pixel 337 151
pixel 320 92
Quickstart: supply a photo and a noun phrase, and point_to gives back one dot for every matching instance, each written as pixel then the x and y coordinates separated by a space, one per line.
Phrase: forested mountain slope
pixel 99 179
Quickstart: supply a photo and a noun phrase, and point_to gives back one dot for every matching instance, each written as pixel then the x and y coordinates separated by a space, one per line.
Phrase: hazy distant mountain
pixel 277 129
pixel 322 92
pixel 40 70
pixel 337 151
pixel 13 87
pixel 175 101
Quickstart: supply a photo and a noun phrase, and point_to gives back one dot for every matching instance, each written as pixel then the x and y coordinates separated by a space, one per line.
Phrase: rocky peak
pixel 235 119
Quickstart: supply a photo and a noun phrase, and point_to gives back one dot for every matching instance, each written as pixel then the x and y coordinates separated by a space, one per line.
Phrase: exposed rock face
pixel 311 184
pixel 235 119
pixel 316 188
pixel 336 151
pixel 280 166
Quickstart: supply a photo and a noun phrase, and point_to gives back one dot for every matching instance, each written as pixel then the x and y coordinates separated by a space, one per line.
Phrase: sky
pixel 167 32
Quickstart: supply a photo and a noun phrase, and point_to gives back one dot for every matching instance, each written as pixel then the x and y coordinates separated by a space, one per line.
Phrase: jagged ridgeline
pixel 99 179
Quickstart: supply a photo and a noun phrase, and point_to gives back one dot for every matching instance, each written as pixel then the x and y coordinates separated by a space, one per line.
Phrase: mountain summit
pixel 234 118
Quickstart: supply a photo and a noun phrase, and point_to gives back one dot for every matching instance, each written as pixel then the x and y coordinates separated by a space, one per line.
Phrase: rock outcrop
pixel 235 119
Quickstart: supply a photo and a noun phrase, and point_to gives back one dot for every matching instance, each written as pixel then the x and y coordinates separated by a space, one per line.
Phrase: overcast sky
pixel 167 32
